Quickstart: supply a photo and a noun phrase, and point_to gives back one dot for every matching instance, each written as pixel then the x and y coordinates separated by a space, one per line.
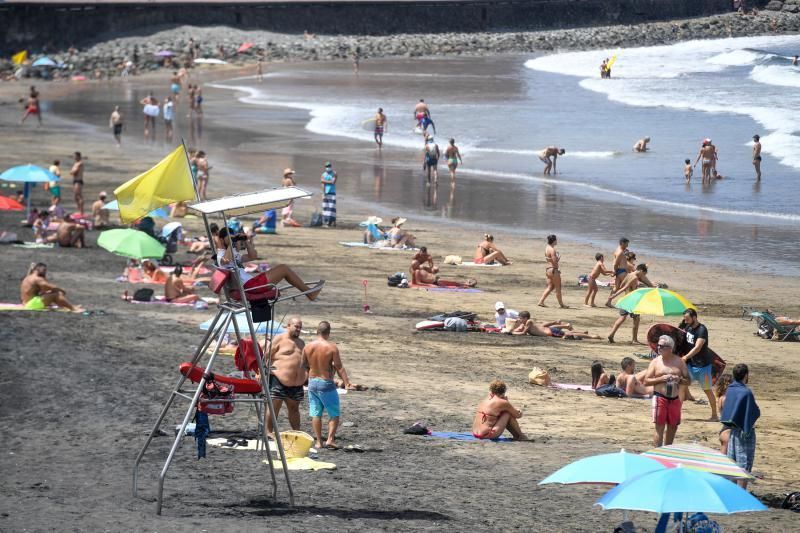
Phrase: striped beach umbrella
pixel 655 301
pixel 698 457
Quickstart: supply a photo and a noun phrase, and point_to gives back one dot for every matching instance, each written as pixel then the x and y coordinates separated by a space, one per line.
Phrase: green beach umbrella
pixel 131 243
pixel 655 301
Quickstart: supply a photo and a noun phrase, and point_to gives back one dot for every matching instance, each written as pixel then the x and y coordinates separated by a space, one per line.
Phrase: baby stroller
pixel 171 234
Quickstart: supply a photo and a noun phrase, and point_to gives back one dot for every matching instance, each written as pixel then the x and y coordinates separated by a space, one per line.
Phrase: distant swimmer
pixel 453 156
pixel 546 154
pixel 757 156
pixel 708 155
pixel 641 145
pixel 380 126
pixel 431 159
pixel 688 170
pixel 794 61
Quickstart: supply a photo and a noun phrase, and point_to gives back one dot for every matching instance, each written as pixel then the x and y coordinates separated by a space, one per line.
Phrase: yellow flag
pixel 167 182
pixel 18 58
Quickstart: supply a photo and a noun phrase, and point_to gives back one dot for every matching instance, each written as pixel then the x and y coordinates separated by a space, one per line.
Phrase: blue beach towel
pixel 456 435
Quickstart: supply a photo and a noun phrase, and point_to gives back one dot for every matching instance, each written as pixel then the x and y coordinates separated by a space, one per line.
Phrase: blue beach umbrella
pixel 680 490
pixel 155 213
pixel 28 174
pixel 44 62
pixel 609 468
pixel 262 328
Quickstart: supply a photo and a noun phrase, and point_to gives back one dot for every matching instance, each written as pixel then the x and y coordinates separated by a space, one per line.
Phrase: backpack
pixel 316 220
pixel 143 295
pixel 610 391
pixel 395 279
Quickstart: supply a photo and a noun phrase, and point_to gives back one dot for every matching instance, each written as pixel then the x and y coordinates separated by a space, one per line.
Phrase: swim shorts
pixel 35 304
pixel 623 312
pixel 280 391
pixel 620 271
pixel 742 448
pixel 117 129
pixel 556 332
pixel 666 411
pixel 55 191
pixel 175 88
pixel 378 130
pixel 701 375
pixel 322 395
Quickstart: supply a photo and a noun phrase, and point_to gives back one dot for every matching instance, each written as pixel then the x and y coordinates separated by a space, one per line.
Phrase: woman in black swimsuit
pixel 552 272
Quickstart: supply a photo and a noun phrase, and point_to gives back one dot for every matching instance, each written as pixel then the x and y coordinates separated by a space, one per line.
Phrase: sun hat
pixel 287 171
pixel 399 221
pixel 372 219
pixel 499 305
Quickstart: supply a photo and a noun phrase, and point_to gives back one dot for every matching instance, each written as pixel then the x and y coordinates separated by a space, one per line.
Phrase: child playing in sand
pixel 688 170
pixel 599 268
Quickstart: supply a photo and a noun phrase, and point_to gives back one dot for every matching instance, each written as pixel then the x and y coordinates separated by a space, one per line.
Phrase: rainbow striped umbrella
pixel 697 457
pixel 655 301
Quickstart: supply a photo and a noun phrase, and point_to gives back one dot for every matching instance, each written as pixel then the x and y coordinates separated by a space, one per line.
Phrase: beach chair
pixel 780 331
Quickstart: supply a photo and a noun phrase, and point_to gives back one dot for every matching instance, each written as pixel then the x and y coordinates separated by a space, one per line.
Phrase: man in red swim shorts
pixel 666 374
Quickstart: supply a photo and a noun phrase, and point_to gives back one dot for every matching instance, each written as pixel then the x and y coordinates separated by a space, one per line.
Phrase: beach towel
pixel 464 436
pixel 12 306
pixel 35 245
pixel 458 287
pixel 473 264
pixel 162 300
pixel 740 409
pixel 329 208
pixel 583 281
pixel 355 244
pixel 571 386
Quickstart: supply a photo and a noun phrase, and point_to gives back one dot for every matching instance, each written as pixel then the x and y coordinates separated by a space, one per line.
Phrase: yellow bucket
pixel 296 443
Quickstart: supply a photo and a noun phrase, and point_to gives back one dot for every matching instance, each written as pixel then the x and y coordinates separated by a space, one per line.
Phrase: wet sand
pixel 81 392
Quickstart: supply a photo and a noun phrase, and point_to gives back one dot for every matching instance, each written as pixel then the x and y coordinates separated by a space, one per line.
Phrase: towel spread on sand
pixel 34 245
pixel 583 281
pixel 355 244
pixel 571 386
pixel 474 264
pixel 162 300
pixel 456 435
pixel 439 288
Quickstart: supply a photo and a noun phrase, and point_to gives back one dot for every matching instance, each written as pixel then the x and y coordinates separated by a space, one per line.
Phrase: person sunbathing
pixel 202 244
pixel 399 237
pixel 487 253
pixel 37 293
pixel 70 235
pixel 422 268
pixel 599 376
pixel 783 320
pixel 152 273
pixel 631 381
pixel 176 292
pixel 495 415
pixel 526 326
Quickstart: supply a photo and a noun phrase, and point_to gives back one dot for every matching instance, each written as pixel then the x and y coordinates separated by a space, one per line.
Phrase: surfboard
pixel 369 124
pixel 418 130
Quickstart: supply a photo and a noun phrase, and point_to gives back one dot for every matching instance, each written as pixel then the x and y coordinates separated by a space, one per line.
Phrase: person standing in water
pixel 115 123
pixel 708 155
pixel 421 111
pixel 430 162
pixel 380 127
pixel 641 145
pixel 260 70
pixel 550 164
pixel 757 156
pixel 453 156
pixel 169 116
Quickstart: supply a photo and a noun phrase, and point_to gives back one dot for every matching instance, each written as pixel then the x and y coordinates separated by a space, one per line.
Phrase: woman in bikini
pixel 496 414
pixel 720 389
pixel 599 376
pixel 552 272
pixel 487 253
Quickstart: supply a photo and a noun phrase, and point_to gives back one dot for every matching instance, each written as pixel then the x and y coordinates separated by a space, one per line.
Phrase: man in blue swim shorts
pixel 698 358
pixel 321 357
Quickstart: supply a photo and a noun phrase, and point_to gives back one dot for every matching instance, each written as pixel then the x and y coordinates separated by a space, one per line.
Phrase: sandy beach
pixel 81 392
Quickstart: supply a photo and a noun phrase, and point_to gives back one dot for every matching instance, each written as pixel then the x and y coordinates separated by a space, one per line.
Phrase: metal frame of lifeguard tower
pixel 226 315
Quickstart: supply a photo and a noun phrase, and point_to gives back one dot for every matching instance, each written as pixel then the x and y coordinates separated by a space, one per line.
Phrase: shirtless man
pixel 620 262
pixel 550 164
pixel 176 292
pixel 321 358
pixel 70 235
pixel 380 126
pixel 201 160
pixel 33 106
pixel 99 214
pixel 631 381
pixel 630 284
pixel 495 414
pixel 175 86
pixel 77 180
pixel 287 379
pixel 422 268
pixel 666 373
pixel 709 155
pixel 641 145
pixel 37 294
pixel 115 123
pixel 421 111
pixel 757 156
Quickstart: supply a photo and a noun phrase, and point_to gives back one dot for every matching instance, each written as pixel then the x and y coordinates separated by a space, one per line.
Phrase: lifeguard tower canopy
pixel 251 202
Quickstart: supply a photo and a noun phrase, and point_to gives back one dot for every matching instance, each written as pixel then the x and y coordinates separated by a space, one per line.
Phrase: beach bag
pixel 792 502
pixel 395 279
pixel 455 324
pixel 316 220
pixel 213 392
pixel 539 376
pixel 218 279
pixel 453 260
pixel 143 295
pixel 610 391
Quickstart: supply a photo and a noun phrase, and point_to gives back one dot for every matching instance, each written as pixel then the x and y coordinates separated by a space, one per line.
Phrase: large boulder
pixel 774 5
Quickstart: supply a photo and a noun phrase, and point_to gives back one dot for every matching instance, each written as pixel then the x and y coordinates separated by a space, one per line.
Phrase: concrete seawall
pixel 56 24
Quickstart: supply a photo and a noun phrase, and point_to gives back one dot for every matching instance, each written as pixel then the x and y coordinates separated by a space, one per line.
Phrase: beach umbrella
pixel 131 243
pixel 28 174
pixel 680 490
pixel 155 213
pixel 163 53
pixel 168 228
pixel 9 204
pixel 696 457
pixel 262 328
pixel 245 47
pixel 44 62
pixel 608 468
pixel 655 301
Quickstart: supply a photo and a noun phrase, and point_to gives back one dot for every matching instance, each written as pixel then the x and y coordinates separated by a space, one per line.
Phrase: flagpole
pixel 197 197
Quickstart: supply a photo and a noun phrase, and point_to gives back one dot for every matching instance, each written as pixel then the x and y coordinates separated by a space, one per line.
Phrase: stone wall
pixel 789 6
pixel 56 26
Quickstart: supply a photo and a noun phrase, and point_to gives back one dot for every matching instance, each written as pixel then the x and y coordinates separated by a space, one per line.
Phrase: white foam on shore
pixel 736 58
pixel 777 75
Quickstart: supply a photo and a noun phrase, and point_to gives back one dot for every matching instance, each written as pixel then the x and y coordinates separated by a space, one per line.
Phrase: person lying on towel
pixel 526 326
pixel 496 414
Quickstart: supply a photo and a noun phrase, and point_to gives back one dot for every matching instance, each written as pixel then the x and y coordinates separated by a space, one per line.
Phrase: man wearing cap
pixel 666 373
pixel 328 196
pixel 502 315
pixel 757 156
pixel 286 213
pixel 99 214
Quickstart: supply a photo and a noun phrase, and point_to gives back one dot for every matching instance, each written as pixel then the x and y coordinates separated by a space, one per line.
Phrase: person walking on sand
pixel 453 156
pixel 169 116
pixel 33 106
pixel 666 373
pixel 552 272
pixel 740 413
pixel 698 359
pixel 550 164
pixel 288 374
pixel 599 268
pixel 495 415
pixel 328 180
pixel 757 156
pixel 380 127
pixel 115 123
pixel 77 180
pixel 356 60
pixel 641 145
pixel 620 262
pixel 287 213
pixel 37 293
pixel 321 358
pixel 630 284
